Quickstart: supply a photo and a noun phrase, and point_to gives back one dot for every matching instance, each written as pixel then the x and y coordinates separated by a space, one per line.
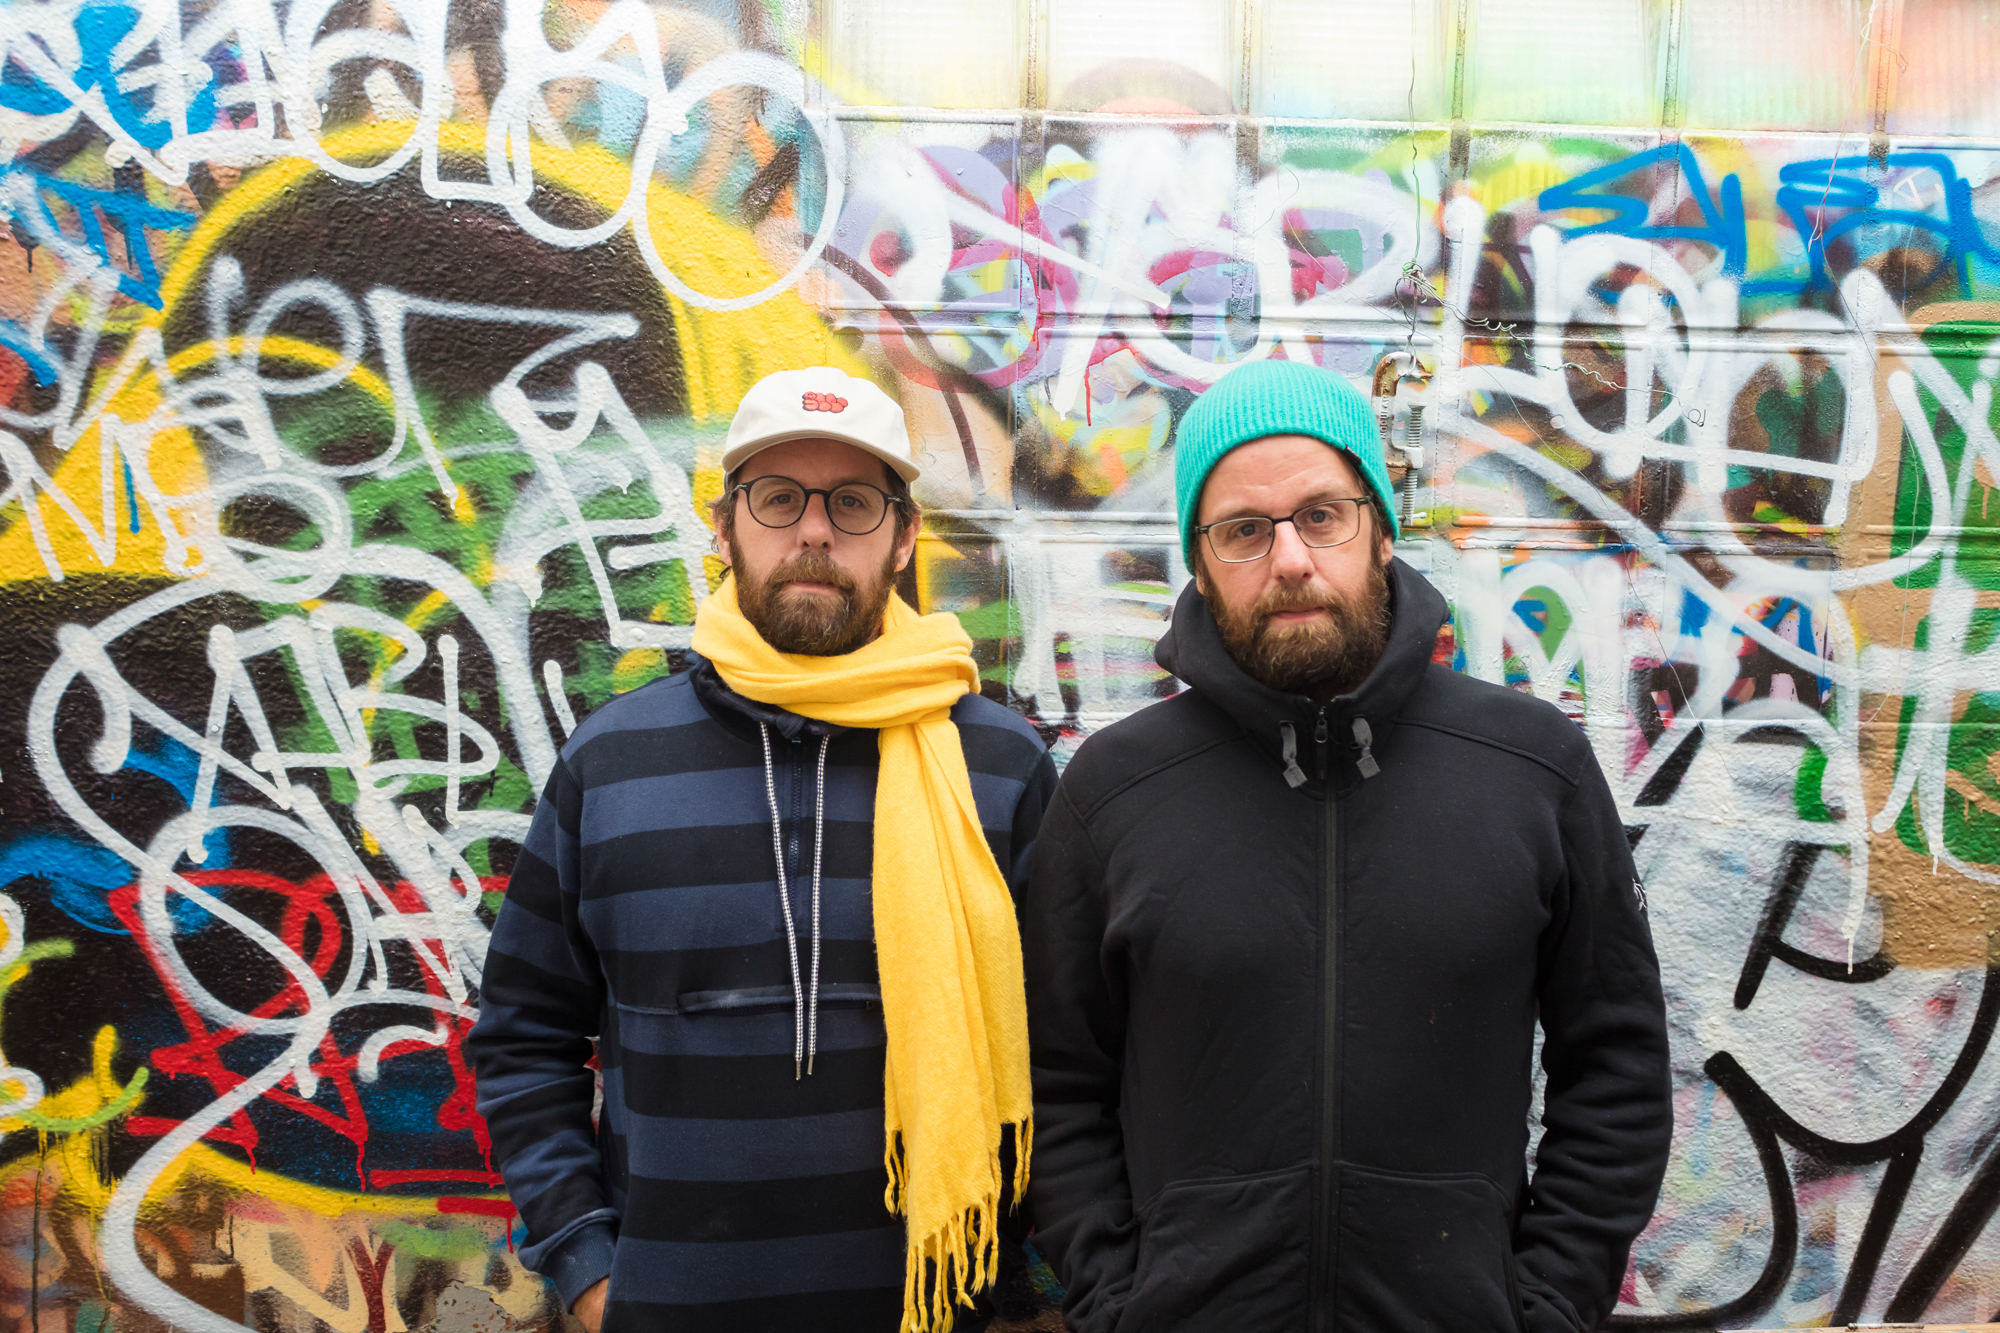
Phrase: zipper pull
pixel 1363 737
pixel 1319 740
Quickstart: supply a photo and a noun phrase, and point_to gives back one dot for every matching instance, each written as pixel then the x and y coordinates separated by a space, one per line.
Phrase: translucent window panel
pixel 1141 55
pixel 1567 61
pixel 1153 212
pixel 1774 64
pixel 938 53
pixel 1952 48
pixel 1353 59
pixel 931 228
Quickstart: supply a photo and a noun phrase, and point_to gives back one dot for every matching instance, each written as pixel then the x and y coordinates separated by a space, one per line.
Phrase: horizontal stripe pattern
pixel 749 1087
pixel 691 1273
pixel 722 916
pixel 658 978
pixel 644 913
pixel 696 800
pixel 745 1149
pixel 705 1211
pixel 844 1024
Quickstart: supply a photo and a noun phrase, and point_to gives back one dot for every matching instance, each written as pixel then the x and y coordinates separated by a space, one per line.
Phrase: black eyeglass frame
pixel 826 502
pixel 1359 501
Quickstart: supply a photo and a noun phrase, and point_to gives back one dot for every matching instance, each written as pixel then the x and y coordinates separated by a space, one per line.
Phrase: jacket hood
pixel 1192 650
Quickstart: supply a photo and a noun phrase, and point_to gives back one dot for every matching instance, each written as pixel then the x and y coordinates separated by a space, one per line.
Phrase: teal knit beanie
pixel 1275 398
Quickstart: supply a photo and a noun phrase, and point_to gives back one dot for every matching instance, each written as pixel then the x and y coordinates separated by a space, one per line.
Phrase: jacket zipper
pixel 1326 1222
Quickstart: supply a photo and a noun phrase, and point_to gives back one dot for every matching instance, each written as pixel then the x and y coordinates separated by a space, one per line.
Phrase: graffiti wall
pixel 363 371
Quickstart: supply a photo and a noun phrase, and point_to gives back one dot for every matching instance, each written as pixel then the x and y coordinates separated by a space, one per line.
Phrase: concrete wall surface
pixel 364 364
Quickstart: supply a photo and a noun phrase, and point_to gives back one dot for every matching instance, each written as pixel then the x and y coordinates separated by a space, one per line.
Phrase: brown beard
pixel 813 626
pixel 1333 655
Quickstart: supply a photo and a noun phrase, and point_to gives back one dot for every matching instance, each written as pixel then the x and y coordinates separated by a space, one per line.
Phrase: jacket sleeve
pixel 541 996
pixel 1020 848
pixel 1079 1197
pixel 1029 812
pixel 1608 1112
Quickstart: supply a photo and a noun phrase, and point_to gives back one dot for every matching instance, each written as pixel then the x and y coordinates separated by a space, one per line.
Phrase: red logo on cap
pixel 823 402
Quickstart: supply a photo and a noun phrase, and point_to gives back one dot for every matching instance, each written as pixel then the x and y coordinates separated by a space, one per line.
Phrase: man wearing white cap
pixel 809 1016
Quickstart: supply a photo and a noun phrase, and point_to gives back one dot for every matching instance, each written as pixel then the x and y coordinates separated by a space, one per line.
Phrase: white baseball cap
pixel 819 402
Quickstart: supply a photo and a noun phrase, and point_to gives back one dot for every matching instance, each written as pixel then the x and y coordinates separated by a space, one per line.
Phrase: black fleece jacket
pixel 1283 1015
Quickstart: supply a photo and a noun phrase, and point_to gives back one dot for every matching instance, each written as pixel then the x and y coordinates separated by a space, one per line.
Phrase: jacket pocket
pixel 1222 1255
pixel 764 999
pixel 1424 1254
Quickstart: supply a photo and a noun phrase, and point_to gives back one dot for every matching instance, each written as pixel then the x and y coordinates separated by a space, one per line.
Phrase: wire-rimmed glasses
pixel 1247 537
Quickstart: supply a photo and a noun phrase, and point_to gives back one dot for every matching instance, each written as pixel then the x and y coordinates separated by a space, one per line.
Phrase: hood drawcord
pixel 819 842
pixel 1294 775
pixel 1363 737
pixel 804 1012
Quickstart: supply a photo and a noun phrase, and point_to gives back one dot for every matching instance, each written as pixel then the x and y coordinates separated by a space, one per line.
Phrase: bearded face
pixel 1327 655
pixel 819 623
pixel 807 584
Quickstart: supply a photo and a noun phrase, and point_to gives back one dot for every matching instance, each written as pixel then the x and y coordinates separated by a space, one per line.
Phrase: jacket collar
pixel 1192 649
pixel 728 707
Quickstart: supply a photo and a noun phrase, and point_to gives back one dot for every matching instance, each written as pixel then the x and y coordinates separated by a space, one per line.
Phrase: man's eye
pixel 1245 530
pixel 781 497
pixel 849 500
pixel 1318 517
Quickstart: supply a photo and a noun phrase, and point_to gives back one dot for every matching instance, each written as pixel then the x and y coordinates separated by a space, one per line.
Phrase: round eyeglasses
pixel 856 508
pixel 1324 523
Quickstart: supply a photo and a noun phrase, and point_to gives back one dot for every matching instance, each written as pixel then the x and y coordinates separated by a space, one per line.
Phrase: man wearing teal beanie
pixel 1276 398
pixel 1289 933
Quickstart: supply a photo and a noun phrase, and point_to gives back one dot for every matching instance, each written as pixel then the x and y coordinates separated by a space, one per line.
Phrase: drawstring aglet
pixel 795 1069
pixel 809 1066
pixel 1295 776
pixel 1363 739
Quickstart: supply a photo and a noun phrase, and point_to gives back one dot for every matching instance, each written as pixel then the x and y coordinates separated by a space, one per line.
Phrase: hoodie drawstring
pixel 1294 775
pixel 1363 737
pixel 819 827
pixel 805 1011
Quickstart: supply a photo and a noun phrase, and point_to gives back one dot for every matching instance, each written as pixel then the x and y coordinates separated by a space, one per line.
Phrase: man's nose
pixel 1290 557
pixel 816 524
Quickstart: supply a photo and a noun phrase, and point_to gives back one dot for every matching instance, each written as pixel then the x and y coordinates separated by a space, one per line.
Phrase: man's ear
pixel 906 538
pixel 1385 542
pixel 718 538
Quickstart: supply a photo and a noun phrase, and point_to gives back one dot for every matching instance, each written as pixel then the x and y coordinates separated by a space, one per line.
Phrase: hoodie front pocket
pixel 1223 1254
pixel 1424 1254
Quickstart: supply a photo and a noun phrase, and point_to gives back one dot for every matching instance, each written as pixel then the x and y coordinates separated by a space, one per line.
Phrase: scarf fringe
pixel 942 1270
pixel 1024 1148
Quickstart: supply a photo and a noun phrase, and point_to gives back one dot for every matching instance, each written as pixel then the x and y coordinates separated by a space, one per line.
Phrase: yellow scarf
pixel 946 944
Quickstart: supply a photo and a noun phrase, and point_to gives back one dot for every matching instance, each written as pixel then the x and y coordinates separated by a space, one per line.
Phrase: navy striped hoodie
pixel 718 1190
